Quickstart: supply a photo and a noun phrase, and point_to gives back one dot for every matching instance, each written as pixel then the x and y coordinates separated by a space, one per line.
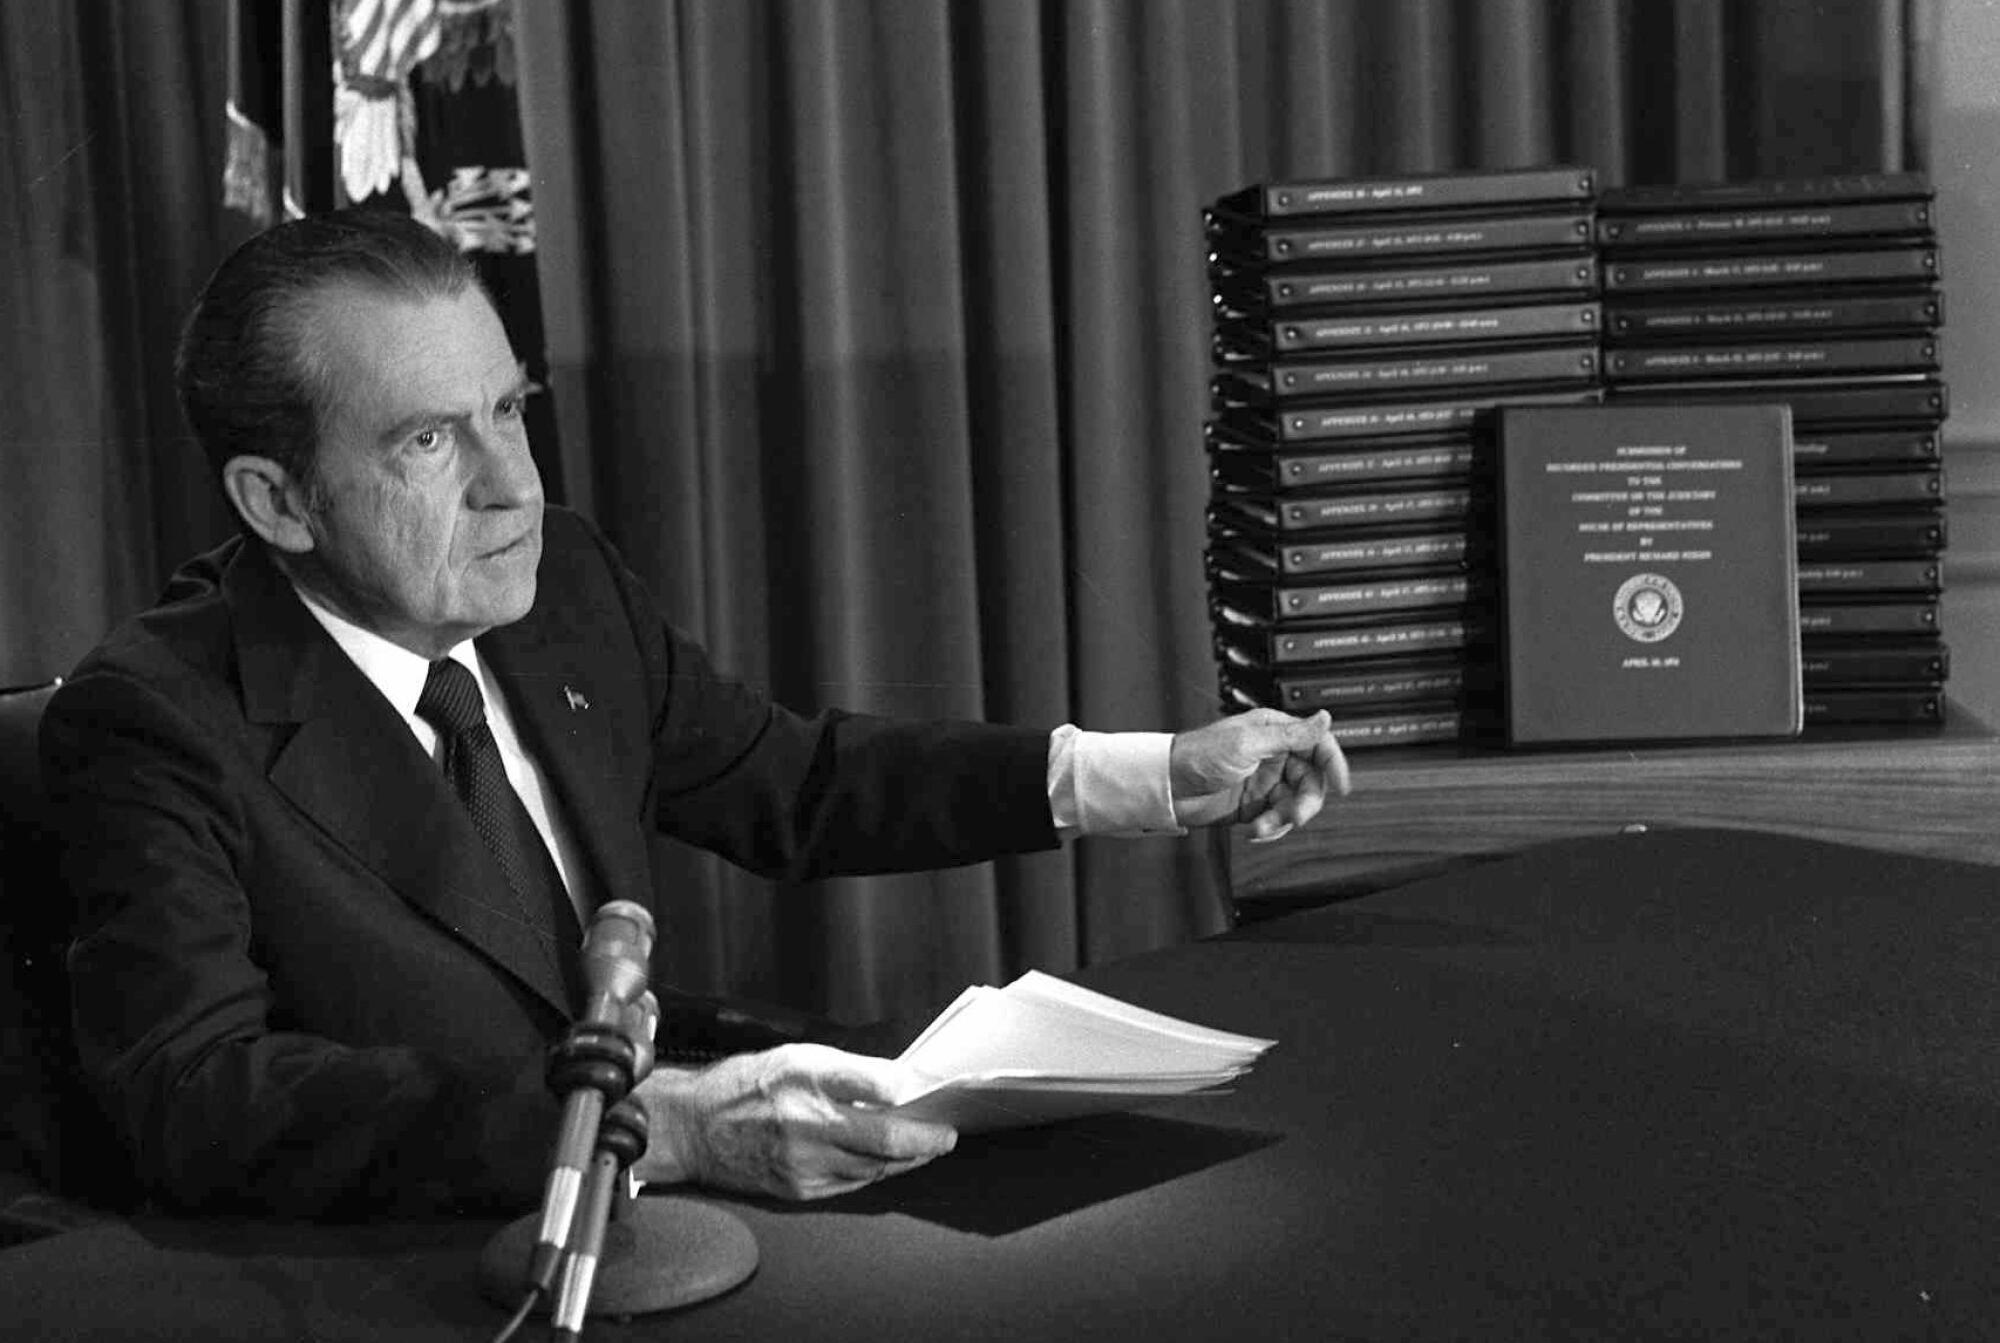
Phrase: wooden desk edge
pixel 1412 814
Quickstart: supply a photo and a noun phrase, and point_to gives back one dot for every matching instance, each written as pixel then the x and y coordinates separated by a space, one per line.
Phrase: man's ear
pixel 269 502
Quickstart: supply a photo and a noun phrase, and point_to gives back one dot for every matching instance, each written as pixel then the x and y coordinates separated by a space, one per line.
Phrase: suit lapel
pixel 565 717
pixel 354 768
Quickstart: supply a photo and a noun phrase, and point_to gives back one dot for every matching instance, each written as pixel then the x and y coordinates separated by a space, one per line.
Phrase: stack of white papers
pixel 1043 1048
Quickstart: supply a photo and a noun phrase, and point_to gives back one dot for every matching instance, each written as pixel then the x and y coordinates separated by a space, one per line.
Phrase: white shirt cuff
pixel 1111 783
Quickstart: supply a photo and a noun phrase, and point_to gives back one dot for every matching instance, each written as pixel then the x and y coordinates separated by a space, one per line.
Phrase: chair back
pixel 50 1131
pixel 20 770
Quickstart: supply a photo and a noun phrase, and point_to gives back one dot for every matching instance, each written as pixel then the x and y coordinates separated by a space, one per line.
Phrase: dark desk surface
pixel 1692 1084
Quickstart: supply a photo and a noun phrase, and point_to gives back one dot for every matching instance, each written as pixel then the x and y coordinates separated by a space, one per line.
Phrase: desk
pixel 1686 1084
pixel 1420 811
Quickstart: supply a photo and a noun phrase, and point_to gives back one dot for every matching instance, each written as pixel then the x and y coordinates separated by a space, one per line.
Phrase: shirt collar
pixel 393 669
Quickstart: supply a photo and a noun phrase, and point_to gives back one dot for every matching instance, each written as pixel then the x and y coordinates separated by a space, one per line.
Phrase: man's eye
pixel 509 407
pixel 429 440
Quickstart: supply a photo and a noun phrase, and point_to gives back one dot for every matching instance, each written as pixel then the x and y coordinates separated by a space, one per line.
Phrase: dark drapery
pixel 877 331
pixel 877 337
pixel 110 189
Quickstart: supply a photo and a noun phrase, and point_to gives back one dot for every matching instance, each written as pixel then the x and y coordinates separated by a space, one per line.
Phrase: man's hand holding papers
pixel 801 1121
pixel 805 1121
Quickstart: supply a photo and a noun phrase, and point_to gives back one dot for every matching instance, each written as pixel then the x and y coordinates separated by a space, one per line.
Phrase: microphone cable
pixel 520 1317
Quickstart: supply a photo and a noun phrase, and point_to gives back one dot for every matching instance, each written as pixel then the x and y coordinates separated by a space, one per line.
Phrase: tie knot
pixel 451 701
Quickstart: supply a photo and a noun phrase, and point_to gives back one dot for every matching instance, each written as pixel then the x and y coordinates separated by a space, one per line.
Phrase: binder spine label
pixel 1910 263
pixel 1728 226
pixel 1909 355
pixel 1387 552
pixel 1370 641
pixel 1771 193
pixel 1551 275
pixel 1409 729
pixel 1827 707
pixel 1919 618
pixel 1862 664
pixel 1362 421
pixel 1830 536
pixel 1469 368
pixel 1439 461
pixel 1839 578
pixel 1438 328
pixel 1374 510
pixel 1814 407
pixel 1442 191
pixel 1356 598
pixel 1897 447
pixel 1331 692
pixel 1635 321
pixel 1390 419
pixel 1417 238
pixel 1908 488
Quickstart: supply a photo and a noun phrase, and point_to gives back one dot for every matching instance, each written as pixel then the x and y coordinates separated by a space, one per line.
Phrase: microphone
pixel 593 1068
pixel 616 951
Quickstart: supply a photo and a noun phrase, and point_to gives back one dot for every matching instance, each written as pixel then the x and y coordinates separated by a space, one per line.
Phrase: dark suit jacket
pixel 295 987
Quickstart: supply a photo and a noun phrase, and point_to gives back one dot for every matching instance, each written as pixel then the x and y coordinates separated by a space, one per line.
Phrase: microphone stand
pixel 621 1140
pixel 620 1254
pixel 636 1254
pixel 628 1253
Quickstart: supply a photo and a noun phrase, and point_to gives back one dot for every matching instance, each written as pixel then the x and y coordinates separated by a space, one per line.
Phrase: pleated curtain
pixel 876 333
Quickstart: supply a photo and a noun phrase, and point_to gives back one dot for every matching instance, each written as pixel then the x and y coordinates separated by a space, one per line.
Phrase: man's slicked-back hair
pixel 248 375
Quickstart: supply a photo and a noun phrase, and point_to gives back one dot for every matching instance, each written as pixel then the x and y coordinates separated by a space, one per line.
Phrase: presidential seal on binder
pixel 1647 607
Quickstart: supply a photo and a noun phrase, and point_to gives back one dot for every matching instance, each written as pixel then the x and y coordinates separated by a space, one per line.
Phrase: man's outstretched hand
pixel 1264 768
pixel 799 1121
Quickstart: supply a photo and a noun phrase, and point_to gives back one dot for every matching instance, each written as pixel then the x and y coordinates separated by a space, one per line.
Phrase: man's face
pixel 427 515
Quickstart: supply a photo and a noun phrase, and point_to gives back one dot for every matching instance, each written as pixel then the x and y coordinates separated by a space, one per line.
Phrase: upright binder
pixel 1649 574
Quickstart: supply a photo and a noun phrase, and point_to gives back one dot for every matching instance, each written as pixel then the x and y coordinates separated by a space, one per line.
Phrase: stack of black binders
pixel 1821 294
pixel 1364 331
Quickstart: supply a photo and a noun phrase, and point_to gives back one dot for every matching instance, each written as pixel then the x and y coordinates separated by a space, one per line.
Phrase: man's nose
pixel 507 476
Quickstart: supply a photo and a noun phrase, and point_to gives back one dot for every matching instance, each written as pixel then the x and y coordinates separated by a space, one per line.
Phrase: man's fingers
pixel 860 1148
pixel 1331 762
pixel 1269 732
pixel 1293 803
pixel 1300 791
pixel 1308 795
pixel 1323 768
pixel 890 1137
pixel 862 1088
pixel 1268 827
pixel 846 1174
pixel 869 1166
pixel 1306 733
pixel 841 1076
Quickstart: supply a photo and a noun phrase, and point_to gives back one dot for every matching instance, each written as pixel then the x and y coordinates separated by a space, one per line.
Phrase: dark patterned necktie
pixel 451 703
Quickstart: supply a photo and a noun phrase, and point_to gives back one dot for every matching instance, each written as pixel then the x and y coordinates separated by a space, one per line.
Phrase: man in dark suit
pixel 313 970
